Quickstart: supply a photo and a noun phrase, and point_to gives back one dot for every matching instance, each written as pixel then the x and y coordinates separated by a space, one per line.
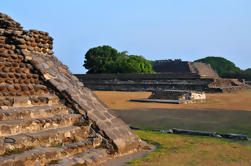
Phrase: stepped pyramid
pixel 48 117
pixel 178 66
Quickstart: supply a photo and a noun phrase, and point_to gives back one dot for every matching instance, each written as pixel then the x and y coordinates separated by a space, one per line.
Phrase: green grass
pixel 245 131
pixel 193 150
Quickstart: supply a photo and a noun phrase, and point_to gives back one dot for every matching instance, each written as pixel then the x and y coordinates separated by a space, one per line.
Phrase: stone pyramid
pixel 48 117
pixel 178 66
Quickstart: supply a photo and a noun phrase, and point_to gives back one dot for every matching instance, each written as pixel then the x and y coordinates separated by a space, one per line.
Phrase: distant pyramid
pixel 178 66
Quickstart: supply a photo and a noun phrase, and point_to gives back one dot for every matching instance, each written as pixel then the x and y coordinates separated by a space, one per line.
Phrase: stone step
pixel 19 78
pixel 28 101
pixel 91 157
pixel 41 111
pixel 54 137
pixel 14 127
pixel 47 155
pixel 14 67
pixel 22 89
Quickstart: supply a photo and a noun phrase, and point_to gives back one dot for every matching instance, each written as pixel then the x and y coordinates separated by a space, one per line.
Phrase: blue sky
pixel 155 29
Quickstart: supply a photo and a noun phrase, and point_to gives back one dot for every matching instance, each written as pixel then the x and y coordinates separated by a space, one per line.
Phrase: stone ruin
pixel 171 75
pixel 204 71
pixel 178 66
pixel 174 97
pixel 48 117
pixel 178 95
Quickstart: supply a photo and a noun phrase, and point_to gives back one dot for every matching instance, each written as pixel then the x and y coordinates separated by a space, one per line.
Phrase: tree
pixel 99 59
pixel 222 66
pixel 137 64
pixel 105 59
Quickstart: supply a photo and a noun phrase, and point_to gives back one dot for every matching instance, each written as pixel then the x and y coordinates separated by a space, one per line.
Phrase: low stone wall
pixel 146 82
pixel 159 82
pixel 178 95
pixel 169 95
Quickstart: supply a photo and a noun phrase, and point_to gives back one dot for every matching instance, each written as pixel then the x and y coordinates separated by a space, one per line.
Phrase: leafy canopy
pixel 105 59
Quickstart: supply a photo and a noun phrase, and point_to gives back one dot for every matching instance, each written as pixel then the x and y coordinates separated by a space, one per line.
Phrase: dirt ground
pixel 225 101
pixel 227 113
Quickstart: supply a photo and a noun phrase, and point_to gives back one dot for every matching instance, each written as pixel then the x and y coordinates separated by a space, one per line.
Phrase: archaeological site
pixel 170 75
pixel 47 116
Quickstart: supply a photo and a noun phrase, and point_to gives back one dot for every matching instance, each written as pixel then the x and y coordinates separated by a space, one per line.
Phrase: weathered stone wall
pixel 159 81
pixel 17 77
pixel 6 22
pixel 163 66
pixel 32 40
pixel 146 82
pixel 169 95
pixel 178 95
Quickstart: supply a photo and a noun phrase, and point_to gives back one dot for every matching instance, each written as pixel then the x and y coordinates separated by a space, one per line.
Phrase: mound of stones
pixel 48 117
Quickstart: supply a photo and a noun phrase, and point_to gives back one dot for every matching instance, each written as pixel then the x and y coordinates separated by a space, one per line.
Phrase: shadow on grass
pixel 224 121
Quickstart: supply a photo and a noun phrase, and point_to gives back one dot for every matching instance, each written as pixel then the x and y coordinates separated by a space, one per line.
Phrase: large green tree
pixel 105 59
pixel 222 66
pixel 136 64
pixel 98 59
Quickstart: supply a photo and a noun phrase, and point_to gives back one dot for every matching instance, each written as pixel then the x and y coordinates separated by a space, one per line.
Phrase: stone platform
pixel 174 97
pixel 166 101
pixel 160 81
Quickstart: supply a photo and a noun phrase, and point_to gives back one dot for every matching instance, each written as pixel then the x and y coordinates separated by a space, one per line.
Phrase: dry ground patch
pixel 227 101
pixel 221 112
pixel 228 112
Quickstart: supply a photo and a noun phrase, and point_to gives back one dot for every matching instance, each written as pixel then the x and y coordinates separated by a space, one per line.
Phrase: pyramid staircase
pixel 41 122
pixel 34 122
